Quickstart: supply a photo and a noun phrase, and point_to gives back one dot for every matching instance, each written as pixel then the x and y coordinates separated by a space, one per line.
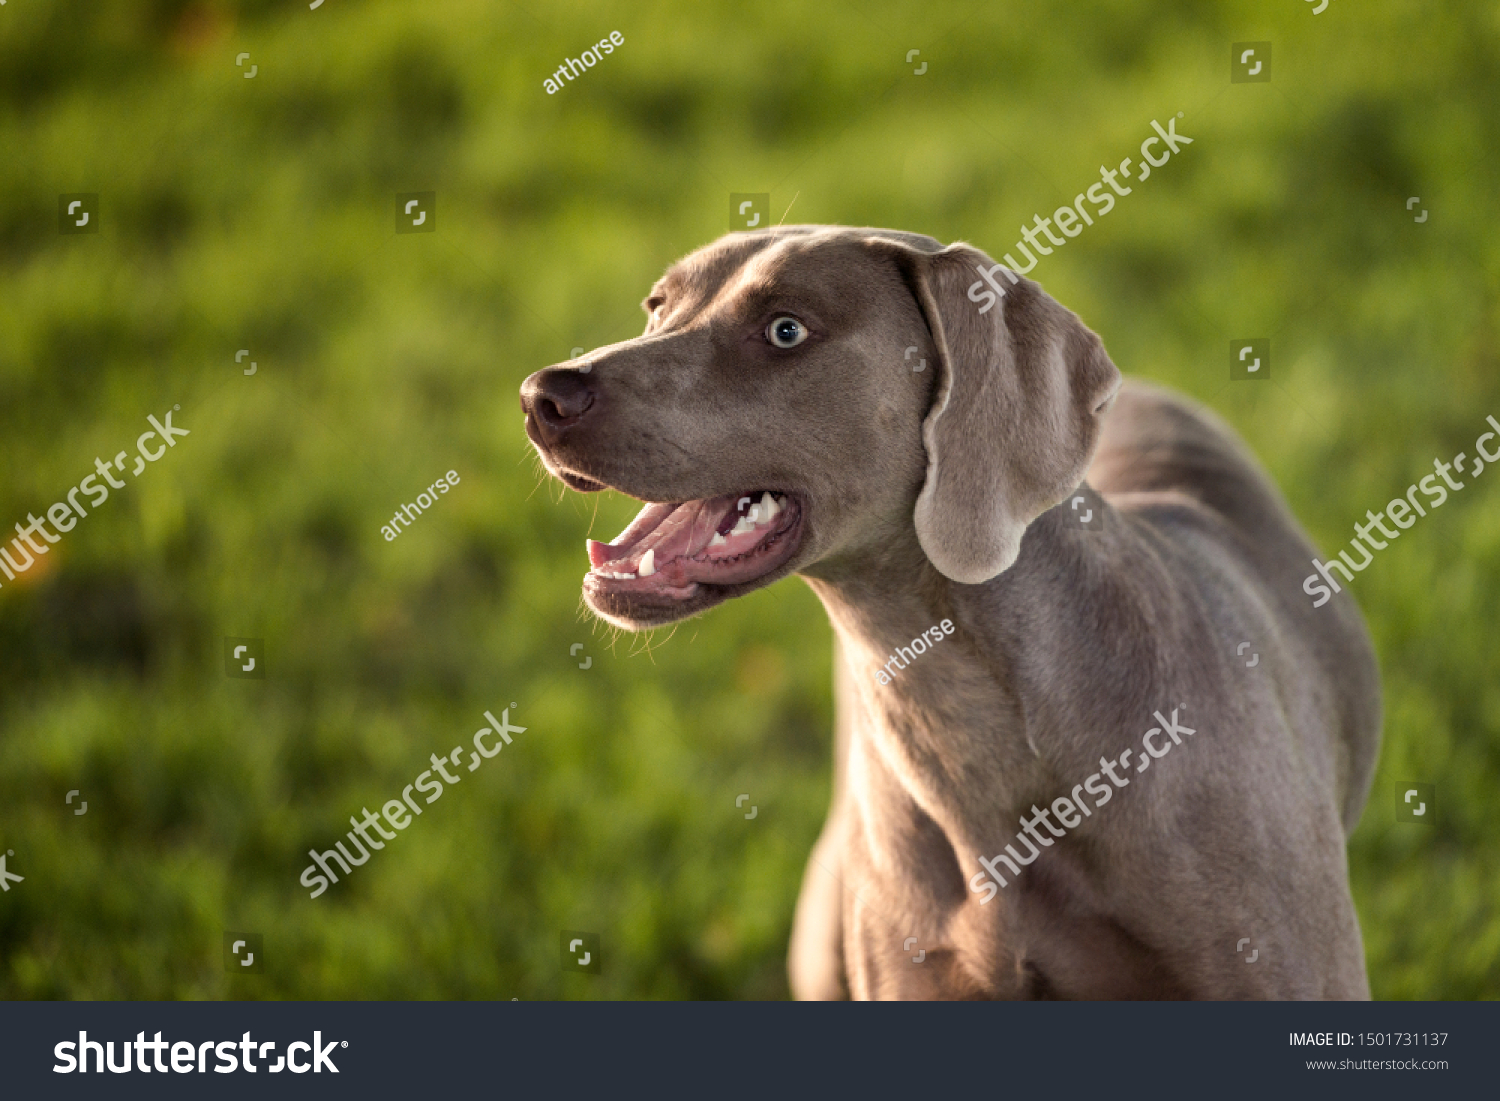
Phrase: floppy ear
pixel 1021 391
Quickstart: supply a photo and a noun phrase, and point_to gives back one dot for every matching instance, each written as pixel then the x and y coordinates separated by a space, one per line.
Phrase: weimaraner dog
pixel 1092 738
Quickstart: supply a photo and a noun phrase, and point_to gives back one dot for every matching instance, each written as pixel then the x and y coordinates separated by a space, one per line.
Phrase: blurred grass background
pixel 258 213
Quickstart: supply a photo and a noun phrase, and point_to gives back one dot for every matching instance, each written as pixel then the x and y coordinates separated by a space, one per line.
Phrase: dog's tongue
pixel 672 530
pixel 646 521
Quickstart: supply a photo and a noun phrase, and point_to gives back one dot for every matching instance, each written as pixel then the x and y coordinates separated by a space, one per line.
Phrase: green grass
pixel 258 214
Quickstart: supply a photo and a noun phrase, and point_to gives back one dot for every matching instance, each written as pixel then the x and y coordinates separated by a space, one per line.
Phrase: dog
pixel 827 401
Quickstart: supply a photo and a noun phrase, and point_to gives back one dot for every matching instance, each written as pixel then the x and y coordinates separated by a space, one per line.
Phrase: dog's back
pixel 1158 448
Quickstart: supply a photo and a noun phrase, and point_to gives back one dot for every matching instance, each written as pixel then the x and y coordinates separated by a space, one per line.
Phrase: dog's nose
pixel 556 398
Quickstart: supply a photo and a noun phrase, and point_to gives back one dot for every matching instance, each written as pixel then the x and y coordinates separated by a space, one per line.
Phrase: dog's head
pixel 805 395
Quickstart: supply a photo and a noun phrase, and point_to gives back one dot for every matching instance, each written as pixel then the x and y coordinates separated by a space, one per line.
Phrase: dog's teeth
pixel 768 507
pixel 744 525
pixel 717 541
pixel 648 564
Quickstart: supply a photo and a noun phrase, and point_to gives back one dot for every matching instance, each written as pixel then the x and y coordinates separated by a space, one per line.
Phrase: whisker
pixel 788 209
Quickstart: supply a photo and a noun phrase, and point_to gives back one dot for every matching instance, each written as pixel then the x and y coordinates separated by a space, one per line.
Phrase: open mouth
pixel 669 550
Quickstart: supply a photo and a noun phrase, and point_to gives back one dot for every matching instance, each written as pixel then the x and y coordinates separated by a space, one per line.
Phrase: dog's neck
pixel 957 711
pixel 878 602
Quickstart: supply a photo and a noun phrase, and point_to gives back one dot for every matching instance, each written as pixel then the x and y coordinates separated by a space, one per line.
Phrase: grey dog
pixel 830 401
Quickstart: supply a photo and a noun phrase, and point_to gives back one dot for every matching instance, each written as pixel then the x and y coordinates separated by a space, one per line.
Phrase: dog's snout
pixel 556 399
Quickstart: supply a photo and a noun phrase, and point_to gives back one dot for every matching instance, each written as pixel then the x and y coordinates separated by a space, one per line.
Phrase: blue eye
pixel 786 332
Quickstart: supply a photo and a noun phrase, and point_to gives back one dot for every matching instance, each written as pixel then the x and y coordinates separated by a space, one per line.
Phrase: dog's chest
pixel 928 792
pixel 912 929
pixel 905 860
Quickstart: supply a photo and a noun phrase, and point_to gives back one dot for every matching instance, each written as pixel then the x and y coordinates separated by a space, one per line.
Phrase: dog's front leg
pixel 815 957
